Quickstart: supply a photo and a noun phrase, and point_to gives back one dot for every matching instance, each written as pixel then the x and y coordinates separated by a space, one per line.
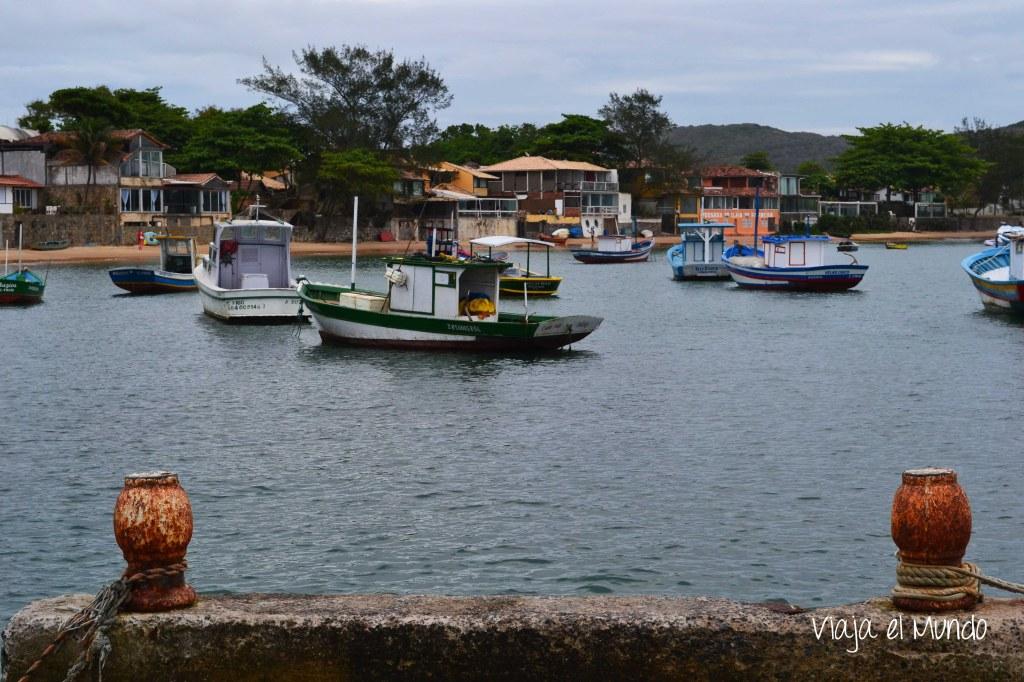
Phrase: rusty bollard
pixel 931 525
pixel 153 526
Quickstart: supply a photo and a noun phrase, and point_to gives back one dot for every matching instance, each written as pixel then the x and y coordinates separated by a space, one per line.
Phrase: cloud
pixel 875 61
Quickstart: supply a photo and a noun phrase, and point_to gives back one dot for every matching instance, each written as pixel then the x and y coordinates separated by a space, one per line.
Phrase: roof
pixel 783 238
pixel 18 181
pixel 451 192
pixel 475 172
pixel 62 137
pixel 500 240
pixel 729 171
pixel 269 183
pixel 192 179
pixel 539 163
pixel 9 134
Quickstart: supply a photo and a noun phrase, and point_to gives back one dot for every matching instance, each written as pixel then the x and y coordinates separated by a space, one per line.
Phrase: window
pixel 129 200
pixel 147 200
pixel 272 233
pixel 24 198
pixel 214 202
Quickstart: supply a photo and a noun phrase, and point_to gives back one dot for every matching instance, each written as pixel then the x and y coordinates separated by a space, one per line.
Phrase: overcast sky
pixel 824 66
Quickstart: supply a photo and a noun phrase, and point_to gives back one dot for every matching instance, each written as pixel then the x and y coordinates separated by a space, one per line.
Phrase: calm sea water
pixel 705 440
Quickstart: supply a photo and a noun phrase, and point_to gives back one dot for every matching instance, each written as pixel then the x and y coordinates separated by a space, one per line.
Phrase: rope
pixel 945 583
pixel 90 624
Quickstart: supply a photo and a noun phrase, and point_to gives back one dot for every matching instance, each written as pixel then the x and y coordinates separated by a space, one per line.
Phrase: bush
pixel 844 226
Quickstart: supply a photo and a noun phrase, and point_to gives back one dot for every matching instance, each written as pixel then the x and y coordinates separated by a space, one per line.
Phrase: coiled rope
pixel 945 583
pixel 91 622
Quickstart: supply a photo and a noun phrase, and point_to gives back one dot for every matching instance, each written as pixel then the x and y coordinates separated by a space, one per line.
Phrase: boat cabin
pixel 477 247
pixel 615 243
pixel 177 254
pixel 441 287
pixel 1016 247
pixel 703 242
pixel 796 251
pixel 252 254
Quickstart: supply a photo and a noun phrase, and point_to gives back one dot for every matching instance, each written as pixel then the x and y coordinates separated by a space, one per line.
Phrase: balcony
pixel 601 210
pixel 133 168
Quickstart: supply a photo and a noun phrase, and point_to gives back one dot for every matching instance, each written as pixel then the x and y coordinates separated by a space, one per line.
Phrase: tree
pixel 125 108
pixel 354 172
pixel 478 143
pixel 578 138
pixel 352 97
pixel 907 159
pixel 640 124
pixel 93 146
pixel 757 161
pixel 1004 150
pixel 815 179
pixel 237 141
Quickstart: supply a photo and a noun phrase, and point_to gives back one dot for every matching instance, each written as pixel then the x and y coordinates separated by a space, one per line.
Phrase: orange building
pixel 728 196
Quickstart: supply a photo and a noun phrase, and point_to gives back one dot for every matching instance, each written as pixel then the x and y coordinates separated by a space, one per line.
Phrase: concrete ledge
pixel 312 638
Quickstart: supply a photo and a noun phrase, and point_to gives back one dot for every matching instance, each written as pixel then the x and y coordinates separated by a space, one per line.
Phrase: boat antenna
pixel 355 233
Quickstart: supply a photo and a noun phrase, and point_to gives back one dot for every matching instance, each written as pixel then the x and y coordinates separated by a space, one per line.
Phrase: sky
pixel 825 66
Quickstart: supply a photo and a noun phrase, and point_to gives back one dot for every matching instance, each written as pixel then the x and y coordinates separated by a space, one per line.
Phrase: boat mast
pixel 7 249
pixel 20 228
pixel 355 233
pixel 757 211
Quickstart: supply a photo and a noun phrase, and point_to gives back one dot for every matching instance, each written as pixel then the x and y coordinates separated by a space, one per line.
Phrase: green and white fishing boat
pixel 437 302
pixel 22 286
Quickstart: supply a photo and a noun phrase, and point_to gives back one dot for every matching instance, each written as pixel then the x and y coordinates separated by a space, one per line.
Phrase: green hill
pixel 730 143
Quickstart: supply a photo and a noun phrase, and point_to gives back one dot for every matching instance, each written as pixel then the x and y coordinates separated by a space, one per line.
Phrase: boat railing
pixel 993 262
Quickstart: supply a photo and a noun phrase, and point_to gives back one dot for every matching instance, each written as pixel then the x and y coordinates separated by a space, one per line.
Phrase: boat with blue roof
pixel 998 275
pixel 698 255
pixel 796 263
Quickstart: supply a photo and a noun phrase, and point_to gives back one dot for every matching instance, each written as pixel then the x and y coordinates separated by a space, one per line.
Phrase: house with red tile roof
pixel 729 194
pixel 130 180
pixel 18 193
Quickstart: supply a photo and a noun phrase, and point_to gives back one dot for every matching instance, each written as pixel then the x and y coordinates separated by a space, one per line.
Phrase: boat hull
pixel 344 325
pixel 149 281
pixel 249 306
pixel 19 291
pixel 693 271
pixel 989 273
pixel 818 278
pixel 637 255
pixel 535 286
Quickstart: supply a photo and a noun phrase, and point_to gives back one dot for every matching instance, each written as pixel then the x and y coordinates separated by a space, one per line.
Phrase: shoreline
pixel 133 254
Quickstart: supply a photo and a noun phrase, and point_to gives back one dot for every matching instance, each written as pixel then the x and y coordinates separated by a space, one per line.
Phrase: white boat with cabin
pixel 246 277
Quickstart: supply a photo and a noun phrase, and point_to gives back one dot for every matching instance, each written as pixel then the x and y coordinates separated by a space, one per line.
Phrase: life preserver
pixel 478 305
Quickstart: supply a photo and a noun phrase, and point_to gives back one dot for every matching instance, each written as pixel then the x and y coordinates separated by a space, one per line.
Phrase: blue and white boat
pixel 699 252
pixel 998 275
pixel 796 263
pixel 177 259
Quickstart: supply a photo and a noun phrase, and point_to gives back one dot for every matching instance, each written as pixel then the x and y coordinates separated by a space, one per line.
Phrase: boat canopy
pixel 787 238
pixel 498 241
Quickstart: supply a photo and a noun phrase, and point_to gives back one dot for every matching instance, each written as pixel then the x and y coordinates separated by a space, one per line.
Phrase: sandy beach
pixel 133 254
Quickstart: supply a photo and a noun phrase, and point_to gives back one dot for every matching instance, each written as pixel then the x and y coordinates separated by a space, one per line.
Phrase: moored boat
pixel 615 248
pixel 1002 237
pixel 437 302
pixel 174 274
pixel 517 278
pixel 51 245
pixel 247 275
pixel 558 237
pixel 847 246
pixel 795 263
pixel 699 253
pixel 900 246
pixel 998 275
pixel 21 286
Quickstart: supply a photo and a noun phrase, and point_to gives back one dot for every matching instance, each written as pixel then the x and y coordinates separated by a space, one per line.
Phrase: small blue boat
pixel 998 275
pixel 177 260
pixel 699 252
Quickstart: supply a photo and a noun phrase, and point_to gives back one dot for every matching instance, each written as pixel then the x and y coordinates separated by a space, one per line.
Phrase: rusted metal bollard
pixel 931 525
pixel 153 526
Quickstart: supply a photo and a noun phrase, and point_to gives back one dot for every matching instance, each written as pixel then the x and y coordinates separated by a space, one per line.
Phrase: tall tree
pixel 477 143
pixel 352 97
pixel 908 159
pixel 579 138
pixel 1003 148
pixel 93 146
pixel 239 141
pixel 757 161
pixel 815 178
pixel 639 122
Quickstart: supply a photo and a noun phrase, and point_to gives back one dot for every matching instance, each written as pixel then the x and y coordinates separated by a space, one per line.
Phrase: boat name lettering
pixel 463 328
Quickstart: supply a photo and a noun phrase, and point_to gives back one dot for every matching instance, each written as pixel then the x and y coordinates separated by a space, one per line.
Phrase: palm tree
pixel 94 146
